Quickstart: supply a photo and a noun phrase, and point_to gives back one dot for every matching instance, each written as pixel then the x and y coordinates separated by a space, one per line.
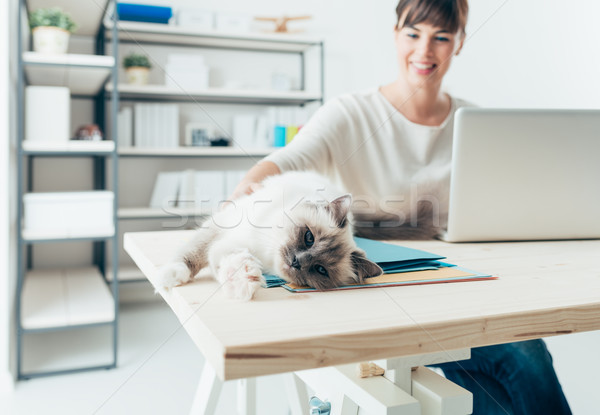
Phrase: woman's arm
pixel 254 177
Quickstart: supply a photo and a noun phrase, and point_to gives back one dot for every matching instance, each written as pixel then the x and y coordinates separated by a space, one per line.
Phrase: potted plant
pixel 137 67
pixel 51 29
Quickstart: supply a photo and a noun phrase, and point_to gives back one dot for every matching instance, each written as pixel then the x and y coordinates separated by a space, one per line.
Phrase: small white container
pixel 186 77
pixel 195 18
pixel 68 214
pixel 47 114
pixel 233 22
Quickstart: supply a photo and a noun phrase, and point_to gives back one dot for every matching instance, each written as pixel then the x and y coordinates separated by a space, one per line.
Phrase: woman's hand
pixel 244 188
pixel 252 181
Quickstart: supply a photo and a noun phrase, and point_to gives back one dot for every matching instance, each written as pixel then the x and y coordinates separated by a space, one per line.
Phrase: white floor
pixel 159 368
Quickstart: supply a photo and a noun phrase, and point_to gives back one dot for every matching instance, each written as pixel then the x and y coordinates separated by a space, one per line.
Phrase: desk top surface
pixel 543 289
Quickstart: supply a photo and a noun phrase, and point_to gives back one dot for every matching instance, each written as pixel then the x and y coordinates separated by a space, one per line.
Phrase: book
pixel 125 127
pixel 429 276
pixel 166 190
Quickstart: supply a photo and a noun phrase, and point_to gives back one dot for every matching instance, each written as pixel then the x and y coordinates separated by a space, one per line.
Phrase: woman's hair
pixel 448 14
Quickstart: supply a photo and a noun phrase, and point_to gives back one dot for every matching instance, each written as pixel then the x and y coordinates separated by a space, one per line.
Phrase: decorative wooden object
pixel 281 22
pixel 368 369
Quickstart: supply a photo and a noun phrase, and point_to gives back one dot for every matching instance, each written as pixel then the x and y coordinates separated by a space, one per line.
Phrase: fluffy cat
pixel 296 226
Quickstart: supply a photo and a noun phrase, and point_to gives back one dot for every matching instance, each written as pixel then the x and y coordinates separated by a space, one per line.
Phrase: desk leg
pixel 297 394
pixel 208 392
pixel 246 396
pixel 402 391
pixel 436 394
pixel 342 405
pixel 348 393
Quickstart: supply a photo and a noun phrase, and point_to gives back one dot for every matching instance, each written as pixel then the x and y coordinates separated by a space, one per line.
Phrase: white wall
pixel 530 53
pixel 6 189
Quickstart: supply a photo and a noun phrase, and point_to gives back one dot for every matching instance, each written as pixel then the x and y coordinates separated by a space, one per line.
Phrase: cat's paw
pixel 241 275
pixel 173 274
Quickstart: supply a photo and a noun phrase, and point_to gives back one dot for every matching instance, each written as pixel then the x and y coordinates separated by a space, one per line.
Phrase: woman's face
pixel 425 53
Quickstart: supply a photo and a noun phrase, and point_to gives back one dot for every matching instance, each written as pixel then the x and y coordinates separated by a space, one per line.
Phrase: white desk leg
pixel 246 396
pixel 207 394
pixel 342 405
pixel 347 392
pixel 439 396
pixel 297 394
pixel 436 394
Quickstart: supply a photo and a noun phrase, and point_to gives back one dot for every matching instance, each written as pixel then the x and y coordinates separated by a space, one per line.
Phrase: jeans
pixel 510 379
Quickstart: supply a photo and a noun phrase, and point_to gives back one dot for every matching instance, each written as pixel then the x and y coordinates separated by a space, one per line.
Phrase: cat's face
pixel 319 250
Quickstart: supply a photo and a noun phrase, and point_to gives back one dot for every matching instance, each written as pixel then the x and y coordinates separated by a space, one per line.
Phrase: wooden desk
pixel 544 289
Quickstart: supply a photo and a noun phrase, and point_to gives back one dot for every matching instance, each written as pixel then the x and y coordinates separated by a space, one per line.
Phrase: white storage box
pixel 186 78
pixel 186 71
pixel 68 215
pixel 198 19
pixel 47 114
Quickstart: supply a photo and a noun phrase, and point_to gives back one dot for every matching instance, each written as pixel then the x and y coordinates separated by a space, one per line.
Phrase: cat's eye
pixel 309 238
pixel 321 270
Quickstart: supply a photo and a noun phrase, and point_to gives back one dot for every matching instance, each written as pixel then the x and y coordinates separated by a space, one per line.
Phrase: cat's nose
pixel 295 263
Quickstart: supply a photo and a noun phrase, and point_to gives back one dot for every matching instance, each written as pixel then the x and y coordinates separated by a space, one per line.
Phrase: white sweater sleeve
pixel 311 148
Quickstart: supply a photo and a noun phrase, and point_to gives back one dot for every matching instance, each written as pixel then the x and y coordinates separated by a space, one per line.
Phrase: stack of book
pixel 201 190
pixel 156 125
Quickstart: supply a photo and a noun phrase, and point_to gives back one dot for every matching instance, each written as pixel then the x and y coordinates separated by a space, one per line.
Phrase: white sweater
pixel 371 150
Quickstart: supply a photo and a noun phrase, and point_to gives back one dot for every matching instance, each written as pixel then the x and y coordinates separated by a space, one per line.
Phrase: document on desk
pixel 401 266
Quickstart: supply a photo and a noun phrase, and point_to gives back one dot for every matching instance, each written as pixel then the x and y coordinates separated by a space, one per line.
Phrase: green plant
pixel 136 59
pixel 51 17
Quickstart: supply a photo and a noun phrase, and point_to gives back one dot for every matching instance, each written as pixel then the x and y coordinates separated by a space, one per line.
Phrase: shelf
pixel 82 74
pixel 166 34
pixel 87 14
pixel 194 152
pixel 69 148
pixel 63 298
pixel 158 213
pixel 30 236
pixel 127 274
pixel 219 95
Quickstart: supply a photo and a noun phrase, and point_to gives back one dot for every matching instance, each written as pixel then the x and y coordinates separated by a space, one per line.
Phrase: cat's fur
pixel 296 226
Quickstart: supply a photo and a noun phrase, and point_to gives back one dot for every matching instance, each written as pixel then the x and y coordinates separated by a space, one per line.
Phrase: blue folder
pixel 391 257
pixel 144 13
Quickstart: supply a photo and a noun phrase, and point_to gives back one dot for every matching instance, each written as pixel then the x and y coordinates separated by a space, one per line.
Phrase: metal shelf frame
pixel 100 158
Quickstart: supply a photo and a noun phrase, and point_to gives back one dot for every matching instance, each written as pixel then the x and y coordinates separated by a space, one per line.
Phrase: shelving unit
pixel 221 95
pixel 160 36
pixel 65 298
pixel 155 213
pixel 70 297
pixel 194 152
pixel 84 75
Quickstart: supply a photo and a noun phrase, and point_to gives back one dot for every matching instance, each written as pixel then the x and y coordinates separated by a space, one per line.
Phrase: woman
pixel 391 148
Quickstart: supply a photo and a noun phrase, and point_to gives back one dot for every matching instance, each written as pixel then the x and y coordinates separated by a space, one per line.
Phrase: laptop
pixel 520 175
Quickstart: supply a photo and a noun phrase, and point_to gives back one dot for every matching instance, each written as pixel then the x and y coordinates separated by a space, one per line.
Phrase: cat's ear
pixel 363 267
pixel 340 208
